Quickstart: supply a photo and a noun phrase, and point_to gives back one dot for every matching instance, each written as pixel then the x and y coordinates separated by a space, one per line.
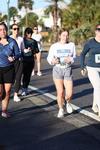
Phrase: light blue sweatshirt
pixel 10 49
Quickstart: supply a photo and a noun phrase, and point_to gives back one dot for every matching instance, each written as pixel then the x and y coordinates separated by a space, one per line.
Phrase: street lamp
pixel 8 24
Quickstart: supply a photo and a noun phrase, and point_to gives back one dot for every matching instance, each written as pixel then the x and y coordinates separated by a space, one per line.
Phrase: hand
pixel 26 50
pixel 83 72
pixel 67 60
pixel 11 58
pixel 55 60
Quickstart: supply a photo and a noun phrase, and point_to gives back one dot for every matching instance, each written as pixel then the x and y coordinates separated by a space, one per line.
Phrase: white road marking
pixel 78 109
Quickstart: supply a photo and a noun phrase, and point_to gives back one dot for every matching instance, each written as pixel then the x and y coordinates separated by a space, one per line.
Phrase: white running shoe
pixel 16 99
pixel 95 108
pixel 33 73
pixel 69 108
pixel 60 113
pixel 39 74
pixel 24 92
pixel 5 115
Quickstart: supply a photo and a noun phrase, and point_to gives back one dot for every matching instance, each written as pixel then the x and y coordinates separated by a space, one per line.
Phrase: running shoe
pixel 5 115
pixel 39 73
pixel 24 92
pixel 60 113
pixel 16 99
pixel 33 73
pixel 69 108
pixel 95 109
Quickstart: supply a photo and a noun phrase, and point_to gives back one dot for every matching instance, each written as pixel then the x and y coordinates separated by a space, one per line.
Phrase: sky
pixel 37 4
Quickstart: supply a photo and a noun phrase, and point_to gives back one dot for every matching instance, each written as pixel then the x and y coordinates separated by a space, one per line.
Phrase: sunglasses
pixel 35 29
pixel 15 28
pixel 98 29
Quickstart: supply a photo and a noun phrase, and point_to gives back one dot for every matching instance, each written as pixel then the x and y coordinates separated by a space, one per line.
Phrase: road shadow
pixel 82 93
pixel 52 89
pixel 81 81
pixel 40 130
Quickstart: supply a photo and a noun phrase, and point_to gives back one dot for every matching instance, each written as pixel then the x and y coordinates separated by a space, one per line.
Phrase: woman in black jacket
pixel 31 48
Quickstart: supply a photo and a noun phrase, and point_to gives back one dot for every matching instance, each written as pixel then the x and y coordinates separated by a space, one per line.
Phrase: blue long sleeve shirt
pixel 10 49
pixel 92 47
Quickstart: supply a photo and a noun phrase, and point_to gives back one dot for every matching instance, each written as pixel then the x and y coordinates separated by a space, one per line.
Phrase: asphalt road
pixel 34 125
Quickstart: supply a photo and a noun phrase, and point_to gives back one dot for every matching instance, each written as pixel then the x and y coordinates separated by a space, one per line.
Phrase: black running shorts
pixel 7 74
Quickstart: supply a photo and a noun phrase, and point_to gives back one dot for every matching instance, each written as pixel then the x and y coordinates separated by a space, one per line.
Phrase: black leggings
pixel 27 70
pixel 18 74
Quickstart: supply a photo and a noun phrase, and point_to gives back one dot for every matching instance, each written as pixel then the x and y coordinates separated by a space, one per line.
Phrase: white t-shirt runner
pixel 61 51
pixel 38 38
pixel 20 43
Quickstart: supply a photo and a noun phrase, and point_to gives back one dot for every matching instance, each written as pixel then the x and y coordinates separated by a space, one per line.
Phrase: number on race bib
pixel 97 58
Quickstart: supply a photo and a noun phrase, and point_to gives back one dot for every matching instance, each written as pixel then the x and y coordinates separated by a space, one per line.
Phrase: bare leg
pixel 1 91
pixel 60 92
pixel 38 59
pixel 5 101
pixel 68 89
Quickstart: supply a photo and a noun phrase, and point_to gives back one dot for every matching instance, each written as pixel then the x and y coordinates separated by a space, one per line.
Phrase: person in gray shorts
pixel 62 73
pixel 61 55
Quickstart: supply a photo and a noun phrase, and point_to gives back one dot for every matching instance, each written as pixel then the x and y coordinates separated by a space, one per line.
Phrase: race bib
pixel 97 58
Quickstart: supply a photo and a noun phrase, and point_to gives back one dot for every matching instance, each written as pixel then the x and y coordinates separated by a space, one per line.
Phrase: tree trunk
pixel 55 19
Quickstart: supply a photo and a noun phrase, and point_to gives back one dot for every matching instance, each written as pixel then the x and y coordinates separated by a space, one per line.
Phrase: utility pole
pixel 8 23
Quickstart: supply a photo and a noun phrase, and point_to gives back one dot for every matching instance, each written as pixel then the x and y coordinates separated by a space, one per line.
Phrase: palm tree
pixel 31 18
pixel 55 11
pixel 80 19
pixel 27 4
pixel 12 13
pixel 3 17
